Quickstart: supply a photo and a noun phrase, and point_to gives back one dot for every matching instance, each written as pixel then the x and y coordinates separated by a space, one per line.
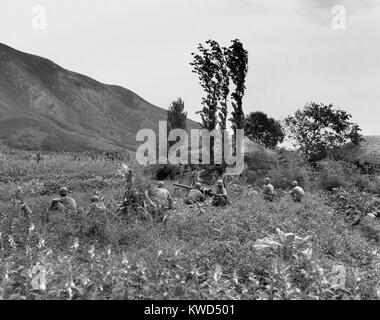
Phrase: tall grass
pixel 250 249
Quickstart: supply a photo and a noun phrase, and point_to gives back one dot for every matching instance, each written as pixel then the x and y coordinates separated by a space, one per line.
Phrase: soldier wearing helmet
pixel 163 196
pixel 26 210
pixel 268 191
pixel 96 217
pixel 97 205
pixel 195 195
pixel 221 196
pixel 64 201
pixel 297 193
pixel 95 198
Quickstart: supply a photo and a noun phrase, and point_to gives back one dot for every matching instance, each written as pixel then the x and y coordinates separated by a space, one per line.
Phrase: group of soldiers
pixel 163 200
pixel 65 202
pixel 197 194
pixel 269 193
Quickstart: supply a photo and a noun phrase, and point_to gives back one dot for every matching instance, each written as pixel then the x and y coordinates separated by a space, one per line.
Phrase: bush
pixel 162 172
pixel 291 167
pixel 370 228
pixel 358 208
pixel 211 173
pixel 373 185
pixel 258 164
pixel 335 174
pixel 260 160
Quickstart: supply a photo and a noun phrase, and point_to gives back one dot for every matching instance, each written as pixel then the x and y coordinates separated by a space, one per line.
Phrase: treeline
pixel 316 130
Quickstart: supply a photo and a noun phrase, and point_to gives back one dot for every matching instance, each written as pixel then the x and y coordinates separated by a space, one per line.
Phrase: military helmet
pixel 294 183
pixel 161 184
pixel 219 183
pixel 267 180
pixel 198 185
pixel 95 198
pixel 63 191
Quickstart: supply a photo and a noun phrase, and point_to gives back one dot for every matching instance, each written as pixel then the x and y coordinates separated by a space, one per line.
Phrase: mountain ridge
pixel 46 107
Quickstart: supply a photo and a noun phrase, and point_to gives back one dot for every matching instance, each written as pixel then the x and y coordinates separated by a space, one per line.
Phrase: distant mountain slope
pixel 43 106
pixel 367 151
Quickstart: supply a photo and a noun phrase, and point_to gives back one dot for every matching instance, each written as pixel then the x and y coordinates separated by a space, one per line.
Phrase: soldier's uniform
pixel 64 202
pixel 221 199
pixel 163 197
pixel 164 202
pixel 268 191
pixel 195 195
pixel 69 203
pixel 97 206
pixel 27 212
pixel 97 218
pixel 297 192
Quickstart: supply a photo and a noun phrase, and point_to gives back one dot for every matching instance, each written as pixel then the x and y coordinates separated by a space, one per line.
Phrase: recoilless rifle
pixel 206 191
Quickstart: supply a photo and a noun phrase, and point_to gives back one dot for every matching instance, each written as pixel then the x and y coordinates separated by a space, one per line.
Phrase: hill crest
pixel 46 107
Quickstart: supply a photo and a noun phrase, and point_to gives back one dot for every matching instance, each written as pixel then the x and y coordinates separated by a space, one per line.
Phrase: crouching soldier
pixel 221 196
pixel 195 195
pixel 297 192
pixel 17 199
pixel 97 218
pixel 163 197
pixel 164 202
pixel 268 191
pixel 26 211
pixel 64 202
pixel 97 206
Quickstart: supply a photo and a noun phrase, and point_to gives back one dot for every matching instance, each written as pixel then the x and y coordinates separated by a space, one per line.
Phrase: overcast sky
pixel 295 56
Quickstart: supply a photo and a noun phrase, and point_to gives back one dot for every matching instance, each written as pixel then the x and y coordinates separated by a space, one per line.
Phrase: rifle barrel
pixel 207 191
pixel 182 186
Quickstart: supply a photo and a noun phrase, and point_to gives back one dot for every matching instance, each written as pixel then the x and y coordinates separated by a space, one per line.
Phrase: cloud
pixel 321 11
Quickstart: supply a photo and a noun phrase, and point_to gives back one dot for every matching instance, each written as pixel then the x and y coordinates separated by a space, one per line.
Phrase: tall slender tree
pixel 237 62
pixel 222 88
pixel 205 64
pixel 222 81
pixel 216 67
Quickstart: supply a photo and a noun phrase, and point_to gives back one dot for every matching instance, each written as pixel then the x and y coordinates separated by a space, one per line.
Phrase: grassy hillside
pixel 368 151
pixel 248 250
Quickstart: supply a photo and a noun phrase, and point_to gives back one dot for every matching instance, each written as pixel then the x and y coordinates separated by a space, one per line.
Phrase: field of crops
pixel 248 250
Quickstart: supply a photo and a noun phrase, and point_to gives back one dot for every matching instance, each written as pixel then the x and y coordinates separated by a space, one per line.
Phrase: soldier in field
pixel 268 191
pixel 64 202
pixel 97 206
pixel 18 199
pixel 26 211
pixel 221 196
pixel 163 197
pixel 97 218
pixel 164 203
pixel 195 195
pixel 297 193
